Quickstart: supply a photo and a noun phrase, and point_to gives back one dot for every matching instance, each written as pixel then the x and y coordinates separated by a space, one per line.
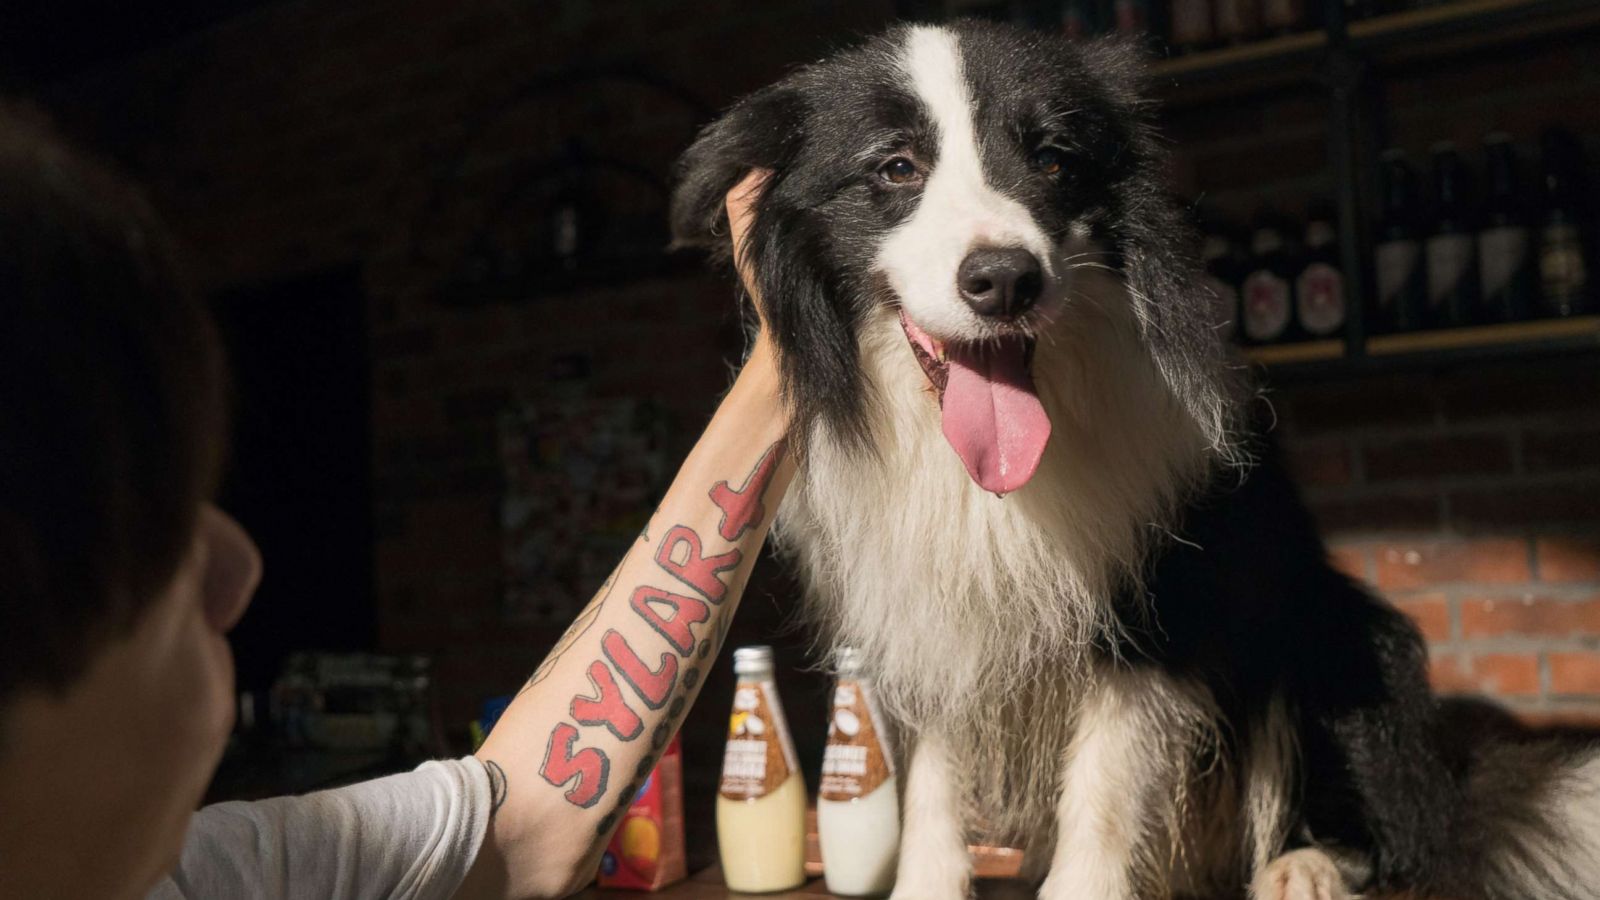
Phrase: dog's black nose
pixel 1000 283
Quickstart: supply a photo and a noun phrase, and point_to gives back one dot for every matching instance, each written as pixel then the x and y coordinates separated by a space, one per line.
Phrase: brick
pixel 1494 674
pixel 1411 566
pixel 1568 559
pixel 1575 673
pixel 1412 511
pixel 1350 559
pixel 1512 506
pixel 1520 390
pixel 1395 400
pixel 1529 616
pixel 1319 463
pixel 1431 612
pixel 1433 458
pixel 1561 451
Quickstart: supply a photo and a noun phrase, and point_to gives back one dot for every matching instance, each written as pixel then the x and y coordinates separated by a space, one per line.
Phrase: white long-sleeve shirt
pixel 410 836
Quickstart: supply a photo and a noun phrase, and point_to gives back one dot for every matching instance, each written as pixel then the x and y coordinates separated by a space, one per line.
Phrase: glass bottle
pixel 1565 278
pixel 1505 253
pixel 858 807
pixel 1402 286
pixel 1451 249
pixel 761 800
pixel 1268 291
pixel 1319 290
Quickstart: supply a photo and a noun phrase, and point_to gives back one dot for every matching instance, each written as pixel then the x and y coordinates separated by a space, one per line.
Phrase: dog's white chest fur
pixel 958 597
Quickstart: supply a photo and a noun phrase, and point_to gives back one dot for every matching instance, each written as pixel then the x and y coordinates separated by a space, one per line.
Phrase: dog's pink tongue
pixel 992 415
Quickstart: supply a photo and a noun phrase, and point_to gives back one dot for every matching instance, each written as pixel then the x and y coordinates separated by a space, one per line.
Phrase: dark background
pixel 353 176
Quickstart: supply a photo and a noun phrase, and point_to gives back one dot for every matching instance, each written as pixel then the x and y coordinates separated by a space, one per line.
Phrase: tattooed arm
pixel 578 741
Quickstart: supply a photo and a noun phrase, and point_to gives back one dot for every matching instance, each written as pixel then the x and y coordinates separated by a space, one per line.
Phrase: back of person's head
pixel 111 407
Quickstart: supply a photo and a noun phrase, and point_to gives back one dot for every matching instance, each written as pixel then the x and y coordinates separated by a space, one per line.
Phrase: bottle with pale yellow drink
pixel 761 801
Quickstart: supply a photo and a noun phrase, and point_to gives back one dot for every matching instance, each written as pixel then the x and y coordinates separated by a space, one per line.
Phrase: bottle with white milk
pixel 858 811
pixel 761 802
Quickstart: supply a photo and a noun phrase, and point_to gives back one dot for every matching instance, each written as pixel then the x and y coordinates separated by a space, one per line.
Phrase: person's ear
pixel 233 569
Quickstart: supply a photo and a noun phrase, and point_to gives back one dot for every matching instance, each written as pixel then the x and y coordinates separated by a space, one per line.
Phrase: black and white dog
pixel 1095 606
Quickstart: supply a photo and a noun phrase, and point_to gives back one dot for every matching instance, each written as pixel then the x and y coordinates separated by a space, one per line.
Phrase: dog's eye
pixel 898 171
pixel 1048 160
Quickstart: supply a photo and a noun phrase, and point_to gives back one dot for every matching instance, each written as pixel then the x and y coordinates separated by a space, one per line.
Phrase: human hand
pixel 741 201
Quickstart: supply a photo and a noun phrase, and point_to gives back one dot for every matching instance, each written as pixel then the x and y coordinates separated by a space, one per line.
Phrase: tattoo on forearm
pixel 498 787
pixel 584 771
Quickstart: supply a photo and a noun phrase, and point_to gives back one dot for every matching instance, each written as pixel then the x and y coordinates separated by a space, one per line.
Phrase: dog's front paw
pixel 1307 874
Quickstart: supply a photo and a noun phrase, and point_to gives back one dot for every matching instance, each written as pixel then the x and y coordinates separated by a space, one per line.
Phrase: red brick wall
pixel 1470 498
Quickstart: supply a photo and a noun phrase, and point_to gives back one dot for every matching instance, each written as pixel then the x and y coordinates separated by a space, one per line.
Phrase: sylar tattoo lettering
pixel 583 771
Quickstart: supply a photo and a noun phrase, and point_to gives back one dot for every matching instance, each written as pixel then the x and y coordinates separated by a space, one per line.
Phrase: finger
pixel 741 201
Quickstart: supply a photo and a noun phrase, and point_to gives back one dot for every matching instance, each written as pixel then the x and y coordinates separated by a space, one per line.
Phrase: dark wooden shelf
pixel 1411 36
pixel 1434 350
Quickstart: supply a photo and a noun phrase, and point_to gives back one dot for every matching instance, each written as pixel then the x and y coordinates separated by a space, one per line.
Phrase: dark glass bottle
pixel 1402 285
pixel 1451 248
pixel 1321 300
pixel 1566 276
pixel 1267 305
pixel 1226 265
pixel 1508 282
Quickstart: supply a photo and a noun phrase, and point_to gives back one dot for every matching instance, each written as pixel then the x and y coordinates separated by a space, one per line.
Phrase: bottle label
pixel 1266 305
pixel 1320 294
pixel 1563 274
pixel 1449 262
pixel 759 755
pixel 856 761
pixel 1225 305
pixel 1396 261
pixel 1502 252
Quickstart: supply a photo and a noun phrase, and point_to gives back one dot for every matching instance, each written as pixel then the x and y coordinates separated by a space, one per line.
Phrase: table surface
pixel 707 885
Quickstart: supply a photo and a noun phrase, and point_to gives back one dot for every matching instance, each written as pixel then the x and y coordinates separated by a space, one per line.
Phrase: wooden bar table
pixel 707 885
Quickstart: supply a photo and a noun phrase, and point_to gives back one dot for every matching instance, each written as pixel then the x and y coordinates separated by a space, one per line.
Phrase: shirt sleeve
pixel 410 836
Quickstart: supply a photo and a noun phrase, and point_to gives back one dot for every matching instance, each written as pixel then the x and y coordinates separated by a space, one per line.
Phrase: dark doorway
pixel 298 478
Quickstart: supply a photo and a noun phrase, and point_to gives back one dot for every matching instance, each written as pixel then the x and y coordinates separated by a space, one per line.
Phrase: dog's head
pixel 957 177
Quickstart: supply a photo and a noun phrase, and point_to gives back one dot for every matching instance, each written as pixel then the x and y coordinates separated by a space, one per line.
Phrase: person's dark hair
pixel 112 407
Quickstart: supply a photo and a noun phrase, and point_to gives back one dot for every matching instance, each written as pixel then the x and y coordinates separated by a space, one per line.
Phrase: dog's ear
pixel 760 131
pixel 1155 239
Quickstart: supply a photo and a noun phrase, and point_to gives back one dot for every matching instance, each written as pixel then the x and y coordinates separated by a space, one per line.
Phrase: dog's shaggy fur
pixel 1139 663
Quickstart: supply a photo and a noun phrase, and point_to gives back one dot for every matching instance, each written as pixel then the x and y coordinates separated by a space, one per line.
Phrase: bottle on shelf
pixel 858 807
pixel 1451 249
pixel 1267 312
pixel 1565 267
pixel 1508 282
pixel 1320 295
pixel 1191 25
pixel 761 800
pixel 1225 265
pixel 1238 21
pixel 1402 286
